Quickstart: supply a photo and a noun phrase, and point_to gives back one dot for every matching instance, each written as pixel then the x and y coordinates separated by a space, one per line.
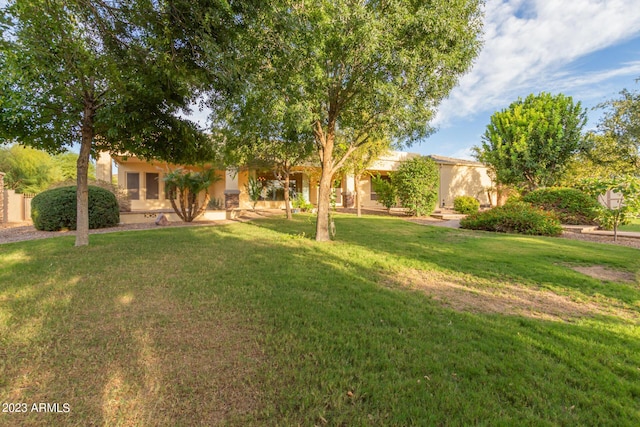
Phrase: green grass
pixel 633 226
pixel 394 323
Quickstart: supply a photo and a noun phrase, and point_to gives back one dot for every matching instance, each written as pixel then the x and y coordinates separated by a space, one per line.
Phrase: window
pixel 273 188
pixel 133 185
pixel 153 186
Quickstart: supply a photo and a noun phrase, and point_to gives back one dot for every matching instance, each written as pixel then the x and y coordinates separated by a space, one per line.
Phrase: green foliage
pixel 416 182
pixel 466 204
pixel 122 195
pixel 529 144
pixel 385 191
pixel 514 217
pixel 55 209
pixel 372 70
pixel 254 190
pixel 27 170
pixel 626 187
pixel 186 187
pixel 66 164
pixel 571 206
pixel 300 203
pixel 621 123
pixel 215 204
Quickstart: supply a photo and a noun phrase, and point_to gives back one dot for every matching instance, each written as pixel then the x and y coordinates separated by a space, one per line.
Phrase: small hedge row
pixel 571 206
pixel 515 217
pixel 466 205
pixel 55 209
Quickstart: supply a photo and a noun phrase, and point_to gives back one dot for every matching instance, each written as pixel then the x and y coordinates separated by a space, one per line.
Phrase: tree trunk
pixel 356 181
pixel 324 198
pixel 287 206
pixel 82 180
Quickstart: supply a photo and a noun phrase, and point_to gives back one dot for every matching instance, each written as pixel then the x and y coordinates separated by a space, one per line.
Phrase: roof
pixel 443 160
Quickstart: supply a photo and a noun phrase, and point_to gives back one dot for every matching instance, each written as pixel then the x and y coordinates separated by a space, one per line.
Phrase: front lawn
pixel 394 323
pixel 633 226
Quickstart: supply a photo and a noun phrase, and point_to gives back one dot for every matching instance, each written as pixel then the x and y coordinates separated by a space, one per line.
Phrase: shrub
pixel 300 203
pixel 55 209
pixel 121 194
pixel 385 191
pixel 571 206
pixel 416 182
pixel 466 205
pixel 515 217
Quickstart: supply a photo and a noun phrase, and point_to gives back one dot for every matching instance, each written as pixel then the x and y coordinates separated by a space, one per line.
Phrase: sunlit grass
pixel 393 323
pixel 633 226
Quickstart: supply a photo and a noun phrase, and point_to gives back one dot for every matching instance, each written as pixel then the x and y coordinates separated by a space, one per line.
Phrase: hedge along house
pixel 144 182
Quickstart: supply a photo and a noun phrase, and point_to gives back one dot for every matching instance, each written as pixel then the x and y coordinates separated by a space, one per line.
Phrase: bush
pixel 385 191
pixel 571 206
pixel 300 203
pixel 416 182
pixel 466 205
pixel 121 194
pixel 515 217
pixel 55 209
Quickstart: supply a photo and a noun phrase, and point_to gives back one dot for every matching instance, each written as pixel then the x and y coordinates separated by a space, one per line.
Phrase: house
pixel 143 180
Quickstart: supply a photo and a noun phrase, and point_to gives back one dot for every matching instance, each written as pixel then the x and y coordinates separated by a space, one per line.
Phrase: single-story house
pixel 144 183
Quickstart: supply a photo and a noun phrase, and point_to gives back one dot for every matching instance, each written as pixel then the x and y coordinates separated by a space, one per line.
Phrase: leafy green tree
pixel 627 188
pixel 379 68
pixel 27 170
pixel 416 182
pixel 263 130
pixel 66 164
pixel 621 123
pixel 385 191
pixel 190 190
pixel 106 76
pixel 529 144
pixel 361 159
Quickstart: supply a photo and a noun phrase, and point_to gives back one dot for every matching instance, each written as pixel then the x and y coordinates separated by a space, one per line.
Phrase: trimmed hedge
pixel 515 217
pixel 571 206
pixel 466 205
pixel 55 209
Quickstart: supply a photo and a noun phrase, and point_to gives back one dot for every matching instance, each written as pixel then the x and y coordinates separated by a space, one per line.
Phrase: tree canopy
pixel 528 144
pixel 107 76
pixel 378 68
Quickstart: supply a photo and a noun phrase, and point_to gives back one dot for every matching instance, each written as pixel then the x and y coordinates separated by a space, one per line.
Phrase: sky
pixel 587 49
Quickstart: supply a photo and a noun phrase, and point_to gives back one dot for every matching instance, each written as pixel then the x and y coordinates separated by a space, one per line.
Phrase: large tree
pixel 621 124
pixel 378 67
pixel 106 76
pixel 262 130
pixel 529 144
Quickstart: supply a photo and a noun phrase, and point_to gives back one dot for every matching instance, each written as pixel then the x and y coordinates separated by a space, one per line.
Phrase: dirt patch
pixel 603 273
pixel 479 296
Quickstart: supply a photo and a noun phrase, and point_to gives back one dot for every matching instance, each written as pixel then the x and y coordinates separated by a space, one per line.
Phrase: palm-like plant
pixel 185 188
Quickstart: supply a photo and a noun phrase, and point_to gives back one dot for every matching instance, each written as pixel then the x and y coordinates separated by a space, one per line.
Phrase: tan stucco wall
pixel 463 180
pixel 133 165
pixel 14 207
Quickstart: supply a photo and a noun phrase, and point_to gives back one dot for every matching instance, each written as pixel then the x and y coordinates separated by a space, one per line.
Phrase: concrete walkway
pixel 592 229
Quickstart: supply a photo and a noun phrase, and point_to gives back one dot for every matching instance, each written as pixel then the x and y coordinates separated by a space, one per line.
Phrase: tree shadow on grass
pixel 246 325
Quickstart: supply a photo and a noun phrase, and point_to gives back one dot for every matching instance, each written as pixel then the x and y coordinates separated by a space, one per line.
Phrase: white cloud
pixel 528 42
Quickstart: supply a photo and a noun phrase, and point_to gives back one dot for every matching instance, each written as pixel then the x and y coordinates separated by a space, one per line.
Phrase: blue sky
pixel 588 49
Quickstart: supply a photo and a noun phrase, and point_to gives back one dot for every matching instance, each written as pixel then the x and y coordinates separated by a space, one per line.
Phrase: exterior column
pixel 348 200
pixel 231 189
pixel 305 187
pixel 104 167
